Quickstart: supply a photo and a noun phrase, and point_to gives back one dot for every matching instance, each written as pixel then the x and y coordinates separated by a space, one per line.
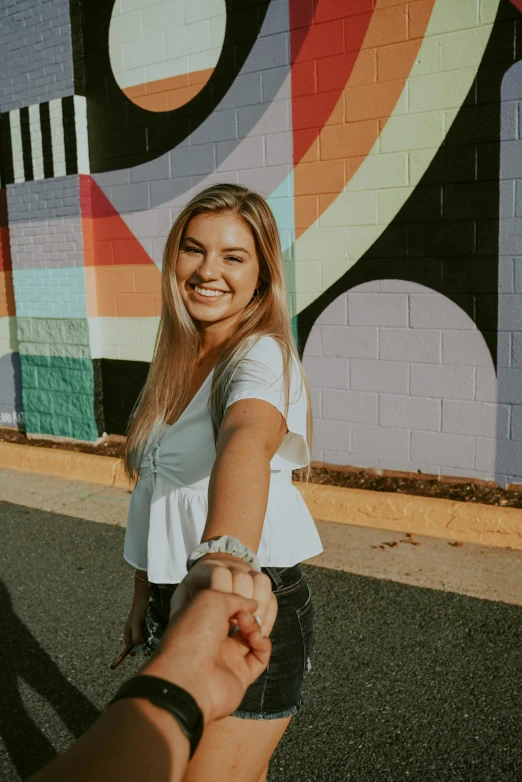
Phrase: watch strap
pixel 170 697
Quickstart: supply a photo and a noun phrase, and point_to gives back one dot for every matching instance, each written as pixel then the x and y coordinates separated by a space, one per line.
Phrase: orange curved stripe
pixel 7 300
pixel 168 94
pixel 388 52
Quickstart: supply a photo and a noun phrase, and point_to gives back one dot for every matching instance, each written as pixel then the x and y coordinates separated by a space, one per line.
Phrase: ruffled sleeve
pixel 137 532
pixel 260 376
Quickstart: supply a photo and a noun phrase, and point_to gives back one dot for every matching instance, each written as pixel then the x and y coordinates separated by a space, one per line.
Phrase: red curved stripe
pixel 325 41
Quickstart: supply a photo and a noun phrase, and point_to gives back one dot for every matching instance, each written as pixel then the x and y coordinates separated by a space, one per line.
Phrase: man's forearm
pixel 133 740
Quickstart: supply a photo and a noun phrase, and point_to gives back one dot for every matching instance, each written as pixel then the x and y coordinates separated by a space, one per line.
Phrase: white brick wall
pixel 409 403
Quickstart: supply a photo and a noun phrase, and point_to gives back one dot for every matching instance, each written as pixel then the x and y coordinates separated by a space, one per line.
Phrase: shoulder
pixel 266 350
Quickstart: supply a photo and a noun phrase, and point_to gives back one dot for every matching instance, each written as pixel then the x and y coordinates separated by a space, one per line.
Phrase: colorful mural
pixel 385 136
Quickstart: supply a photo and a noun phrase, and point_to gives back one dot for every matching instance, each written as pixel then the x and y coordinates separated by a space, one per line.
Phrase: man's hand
pixel 198 654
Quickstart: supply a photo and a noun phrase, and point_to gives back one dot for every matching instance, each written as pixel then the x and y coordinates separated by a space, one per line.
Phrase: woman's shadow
pixel 21 656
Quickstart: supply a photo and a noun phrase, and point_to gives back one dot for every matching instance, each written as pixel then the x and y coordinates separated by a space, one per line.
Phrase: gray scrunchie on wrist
pixel 226 544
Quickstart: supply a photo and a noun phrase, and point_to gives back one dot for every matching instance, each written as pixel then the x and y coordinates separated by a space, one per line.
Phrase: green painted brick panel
pixel 55 425
pixel 37 401
pixel 58 395
pixel 74 406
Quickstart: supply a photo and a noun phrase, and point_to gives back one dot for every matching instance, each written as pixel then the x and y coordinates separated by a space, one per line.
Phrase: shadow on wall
pixel 509 448
pixel 21 656
pixel 11 408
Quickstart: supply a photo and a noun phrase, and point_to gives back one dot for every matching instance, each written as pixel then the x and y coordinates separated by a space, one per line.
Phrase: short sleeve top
pixel 169 504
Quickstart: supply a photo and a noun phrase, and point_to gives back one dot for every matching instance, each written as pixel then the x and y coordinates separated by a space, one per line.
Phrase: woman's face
pixel 218 268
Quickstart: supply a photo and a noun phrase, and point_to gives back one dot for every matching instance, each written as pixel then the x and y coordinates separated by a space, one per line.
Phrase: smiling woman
pixel 163 54
pixel 223 420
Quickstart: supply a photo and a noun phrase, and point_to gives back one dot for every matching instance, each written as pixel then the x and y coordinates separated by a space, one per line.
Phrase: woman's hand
pixel 197 653
pixel 226 573
pixel 136 620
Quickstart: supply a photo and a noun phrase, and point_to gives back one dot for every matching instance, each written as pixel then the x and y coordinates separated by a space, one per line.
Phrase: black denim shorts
pixel 278 691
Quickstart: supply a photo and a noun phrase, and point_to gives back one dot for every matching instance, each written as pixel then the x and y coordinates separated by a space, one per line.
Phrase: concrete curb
pixel 468 522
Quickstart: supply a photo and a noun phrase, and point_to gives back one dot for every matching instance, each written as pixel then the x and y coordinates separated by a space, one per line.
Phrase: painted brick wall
pixel 386 138
pixel 35 52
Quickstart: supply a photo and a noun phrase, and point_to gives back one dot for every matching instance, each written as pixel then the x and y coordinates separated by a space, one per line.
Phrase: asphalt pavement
pixel 408 683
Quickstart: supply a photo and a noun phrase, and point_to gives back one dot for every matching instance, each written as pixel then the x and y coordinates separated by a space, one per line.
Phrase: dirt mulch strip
pixel 465 491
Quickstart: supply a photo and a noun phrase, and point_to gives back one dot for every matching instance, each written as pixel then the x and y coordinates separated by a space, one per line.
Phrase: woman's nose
pixel 209 267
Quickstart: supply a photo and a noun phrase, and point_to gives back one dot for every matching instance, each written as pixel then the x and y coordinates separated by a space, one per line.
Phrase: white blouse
pixel 169 504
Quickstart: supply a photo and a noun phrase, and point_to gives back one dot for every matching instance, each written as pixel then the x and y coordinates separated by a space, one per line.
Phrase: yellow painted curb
pixel 106 470
pixel 468 522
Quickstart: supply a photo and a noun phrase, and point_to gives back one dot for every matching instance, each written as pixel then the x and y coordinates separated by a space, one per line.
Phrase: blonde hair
pixel 166 391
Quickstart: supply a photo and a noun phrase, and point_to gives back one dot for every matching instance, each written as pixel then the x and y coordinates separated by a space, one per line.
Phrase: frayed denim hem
pixel 275 715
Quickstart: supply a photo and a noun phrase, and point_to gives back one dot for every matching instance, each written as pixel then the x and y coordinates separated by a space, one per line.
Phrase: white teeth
pixel 207 292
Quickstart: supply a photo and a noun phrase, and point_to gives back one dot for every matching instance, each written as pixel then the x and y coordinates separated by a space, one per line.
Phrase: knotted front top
pixel 169 503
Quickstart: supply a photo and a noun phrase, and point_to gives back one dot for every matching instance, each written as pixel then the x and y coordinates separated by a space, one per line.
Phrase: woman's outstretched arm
pixel 251 433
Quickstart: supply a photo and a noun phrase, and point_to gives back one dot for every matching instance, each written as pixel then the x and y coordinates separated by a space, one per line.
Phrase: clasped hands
pixel 226 573
pixel 197 651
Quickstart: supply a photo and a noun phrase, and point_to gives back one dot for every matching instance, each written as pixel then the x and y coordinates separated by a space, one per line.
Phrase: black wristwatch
pixel 167 696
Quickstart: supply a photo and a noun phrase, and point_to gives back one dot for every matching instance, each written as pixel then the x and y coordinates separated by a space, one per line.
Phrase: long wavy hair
pixel 166 391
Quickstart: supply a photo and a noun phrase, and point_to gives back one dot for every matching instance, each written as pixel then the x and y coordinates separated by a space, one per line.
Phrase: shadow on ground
pixel 408 683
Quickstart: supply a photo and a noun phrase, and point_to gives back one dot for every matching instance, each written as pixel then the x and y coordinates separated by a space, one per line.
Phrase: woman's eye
pixel 192 250
pixel 234 258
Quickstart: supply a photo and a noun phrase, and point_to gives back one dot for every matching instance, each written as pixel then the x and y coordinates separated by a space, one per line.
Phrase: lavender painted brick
pixel 278 148
pixel 475 418
pixel 333 435
pixel 313 346
pixel 327 372
pixel 390 377
pixel 249 154
pixel 467 348
pixel 516 422
pixel 349 406
pixel 443 381
pixel 335 314
pixel 276 119
pixel 432 311
pixel 486 385
pixel 47 199
pixel 247 91
pixel 338 458
pixel 378 442
pixel 510 386
pixel 504 457
pixel 273 53
pixel 410 345
pixel 410 412
pixel 447 450
pixel 224 127
pixel 377 309
pixel 350 342
pixel 21 33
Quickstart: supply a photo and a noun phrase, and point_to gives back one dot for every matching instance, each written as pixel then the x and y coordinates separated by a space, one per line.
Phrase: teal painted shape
pixel 281 202
pixel 50 293
pixel 58 396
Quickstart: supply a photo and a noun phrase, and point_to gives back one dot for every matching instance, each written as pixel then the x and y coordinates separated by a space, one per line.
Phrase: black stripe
pixel 78 57
pixel 6 151
pixel 69 132
pixel 26 144
pixel 47 147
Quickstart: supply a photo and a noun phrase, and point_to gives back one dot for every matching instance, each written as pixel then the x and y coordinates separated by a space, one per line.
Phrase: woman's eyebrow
pixel 194 241
pixel 235 249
